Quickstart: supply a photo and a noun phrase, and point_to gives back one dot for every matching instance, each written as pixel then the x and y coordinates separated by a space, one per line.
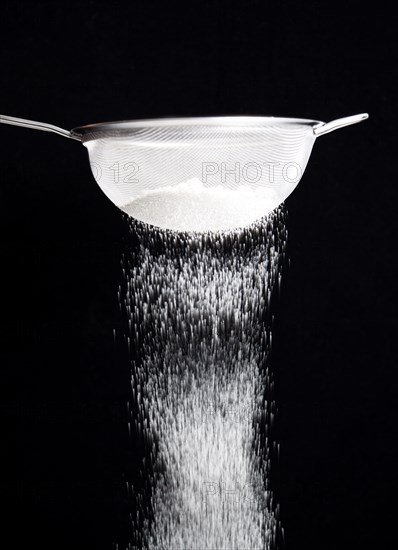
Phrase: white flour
pixel 190 206
pixel 197 310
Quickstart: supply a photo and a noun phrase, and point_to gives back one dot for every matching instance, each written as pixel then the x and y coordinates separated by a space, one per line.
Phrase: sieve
pixel 198 174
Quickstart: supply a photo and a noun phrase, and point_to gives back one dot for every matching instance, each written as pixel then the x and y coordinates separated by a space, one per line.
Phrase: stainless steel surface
pixel 13 121
pixel 236 121
pixel 325 128
pixel 320 128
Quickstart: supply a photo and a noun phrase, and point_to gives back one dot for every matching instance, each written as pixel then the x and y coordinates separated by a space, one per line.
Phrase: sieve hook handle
pixel 326 127
pixel 37 126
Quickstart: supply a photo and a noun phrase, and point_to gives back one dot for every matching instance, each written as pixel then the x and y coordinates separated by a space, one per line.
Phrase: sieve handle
pixel 326 127
pixel 37 126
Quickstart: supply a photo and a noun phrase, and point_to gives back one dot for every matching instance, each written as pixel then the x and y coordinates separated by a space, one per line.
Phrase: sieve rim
pixel 226 121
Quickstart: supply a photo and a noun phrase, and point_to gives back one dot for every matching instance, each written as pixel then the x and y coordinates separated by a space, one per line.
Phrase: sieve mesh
pixel 205 167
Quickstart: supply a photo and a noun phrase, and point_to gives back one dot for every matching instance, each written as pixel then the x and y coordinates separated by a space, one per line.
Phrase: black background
pixel 64 385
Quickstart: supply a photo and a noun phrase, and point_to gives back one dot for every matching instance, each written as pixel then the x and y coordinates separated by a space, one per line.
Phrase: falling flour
pixel 191 206
pixel 199 331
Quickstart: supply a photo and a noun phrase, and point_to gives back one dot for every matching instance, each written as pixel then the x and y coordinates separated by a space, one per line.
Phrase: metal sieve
pixel 198 174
